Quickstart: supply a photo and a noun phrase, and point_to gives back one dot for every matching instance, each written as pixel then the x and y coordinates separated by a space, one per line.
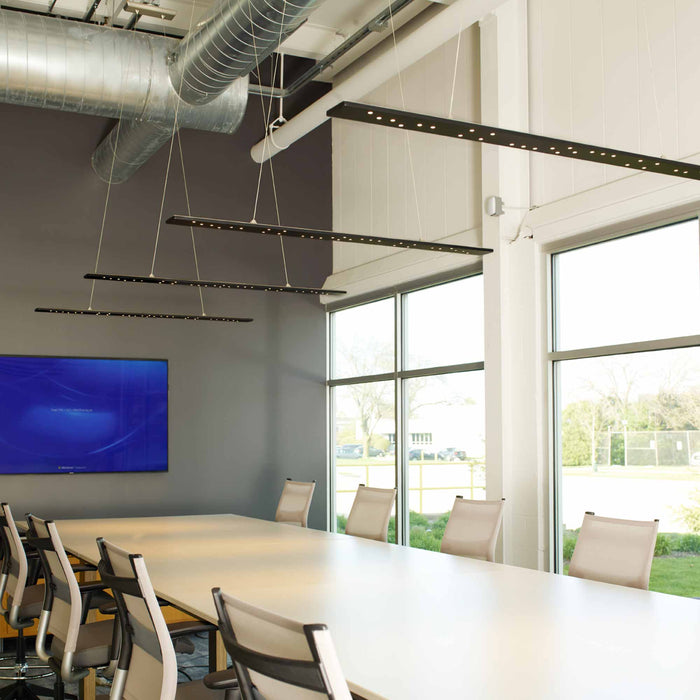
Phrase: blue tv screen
pixel 63 415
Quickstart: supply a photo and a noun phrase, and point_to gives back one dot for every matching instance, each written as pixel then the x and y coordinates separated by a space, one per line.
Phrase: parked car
pixel 421 453
pixel 452 454
pixel 356 451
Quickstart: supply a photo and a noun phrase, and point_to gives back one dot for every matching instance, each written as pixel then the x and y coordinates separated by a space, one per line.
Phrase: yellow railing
pixel 475 490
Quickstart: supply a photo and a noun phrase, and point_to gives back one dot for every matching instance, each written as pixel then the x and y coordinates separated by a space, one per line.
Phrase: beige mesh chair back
pixel 295 502
pixel 277 657
pixel 147 667
pixel 473 527
pixel 76 647
pixel 370 513
pixel 615 551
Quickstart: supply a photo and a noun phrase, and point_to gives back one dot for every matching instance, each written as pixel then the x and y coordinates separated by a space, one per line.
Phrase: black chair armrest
pixel 99 600
pixel 187 627
pixel 92 586
pixel 94 598
pixel 79 568
pixel 109 607
pixel 221 680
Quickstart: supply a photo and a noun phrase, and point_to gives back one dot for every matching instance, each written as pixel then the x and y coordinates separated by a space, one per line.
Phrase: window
pixel 421 439
pixel 407 405
pixel 626 370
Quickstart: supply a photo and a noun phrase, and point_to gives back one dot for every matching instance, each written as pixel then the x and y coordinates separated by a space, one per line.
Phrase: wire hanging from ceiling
pixel 189 210
pixel 267 127
pixel 170 151
pixel 111 172
pixel 408 140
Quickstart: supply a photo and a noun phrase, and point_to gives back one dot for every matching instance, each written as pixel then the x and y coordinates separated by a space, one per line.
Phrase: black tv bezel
pixel 118 471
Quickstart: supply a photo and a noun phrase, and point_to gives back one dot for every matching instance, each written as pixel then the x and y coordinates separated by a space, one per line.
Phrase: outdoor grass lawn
pixel 677 575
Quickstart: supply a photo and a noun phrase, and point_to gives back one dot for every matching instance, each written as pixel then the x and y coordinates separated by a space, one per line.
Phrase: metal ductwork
pixel 84 68
pixel 221 50
pixel 230 41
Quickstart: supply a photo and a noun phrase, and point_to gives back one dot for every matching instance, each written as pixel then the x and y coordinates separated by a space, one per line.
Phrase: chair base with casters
pixel 22 687
pixel 196 690
pixel 24 671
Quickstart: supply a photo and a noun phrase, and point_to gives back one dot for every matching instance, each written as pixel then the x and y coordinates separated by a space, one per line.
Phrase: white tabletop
pixel 414 624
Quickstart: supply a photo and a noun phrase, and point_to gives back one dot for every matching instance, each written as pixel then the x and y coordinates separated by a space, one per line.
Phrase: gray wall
pixel 247 402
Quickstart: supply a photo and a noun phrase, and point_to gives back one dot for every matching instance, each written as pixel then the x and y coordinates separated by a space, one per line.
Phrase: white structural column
pixel 515 458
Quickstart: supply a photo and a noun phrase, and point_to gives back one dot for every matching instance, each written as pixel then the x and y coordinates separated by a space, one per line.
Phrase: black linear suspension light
pixel 470 131
pixel 141 314
pixel 212 284
pixel 318 235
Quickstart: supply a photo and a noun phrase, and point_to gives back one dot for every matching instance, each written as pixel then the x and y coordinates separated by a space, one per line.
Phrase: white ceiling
pixel 326 28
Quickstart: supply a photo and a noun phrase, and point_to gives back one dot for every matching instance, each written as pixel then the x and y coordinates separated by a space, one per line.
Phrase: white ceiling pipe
pixel 417 39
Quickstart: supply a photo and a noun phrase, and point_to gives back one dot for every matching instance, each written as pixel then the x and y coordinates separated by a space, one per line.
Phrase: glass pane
pixel 639 287
pixel 444 325
pixel 364 449
pixel 629 433
pixel 445 450
pixel 363 340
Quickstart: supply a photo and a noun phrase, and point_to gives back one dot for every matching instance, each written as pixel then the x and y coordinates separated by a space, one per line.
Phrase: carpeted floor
pixel 192 666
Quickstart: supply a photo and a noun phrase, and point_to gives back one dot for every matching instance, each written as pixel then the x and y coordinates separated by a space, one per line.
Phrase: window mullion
pixel 400 426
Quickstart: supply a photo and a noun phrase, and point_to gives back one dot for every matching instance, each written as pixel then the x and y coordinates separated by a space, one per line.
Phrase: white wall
pixel 374 189
pixel 621 73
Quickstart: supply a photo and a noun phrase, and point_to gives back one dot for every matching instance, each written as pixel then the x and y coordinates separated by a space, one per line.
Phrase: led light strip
pixel 318 235
pixel 139 314
pixel 469 131
pixel 214 285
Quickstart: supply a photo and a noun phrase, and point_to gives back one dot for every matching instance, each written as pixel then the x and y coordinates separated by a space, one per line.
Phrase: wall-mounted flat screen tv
pixel 68 415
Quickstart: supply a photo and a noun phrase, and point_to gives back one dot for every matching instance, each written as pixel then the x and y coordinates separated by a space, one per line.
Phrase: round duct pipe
pixel 230 41
pixel 87 69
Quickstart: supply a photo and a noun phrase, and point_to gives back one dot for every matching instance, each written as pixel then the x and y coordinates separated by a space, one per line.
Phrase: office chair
pixel 147 665
pixel 294 503
pixel 370 513
pixel 276 658
pixel 472 529
pixel 76 646
pixel 612 550
pixel 22 609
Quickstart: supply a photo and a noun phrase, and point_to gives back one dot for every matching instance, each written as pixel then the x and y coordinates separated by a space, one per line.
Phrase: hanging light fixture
pixel 211 284
pixel 470 131
pixel 141 314
pixel 319 235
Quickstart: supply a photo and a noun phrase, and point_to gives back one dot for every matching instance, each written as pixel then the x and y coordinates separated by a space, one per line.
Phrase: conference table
pixel 409 623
